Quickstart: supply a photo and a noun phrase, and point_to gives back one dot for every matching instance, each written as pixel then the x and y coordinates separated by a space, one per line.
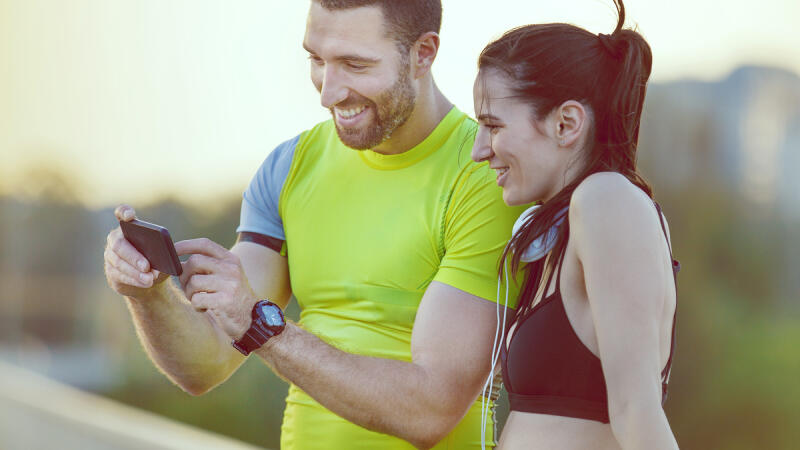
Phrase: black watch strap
pixel 260 330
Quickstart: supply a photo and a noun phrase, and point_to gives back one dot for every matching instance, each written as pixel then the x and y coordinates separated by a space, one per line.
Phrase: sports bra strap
pixel 556 272
pixel 676 267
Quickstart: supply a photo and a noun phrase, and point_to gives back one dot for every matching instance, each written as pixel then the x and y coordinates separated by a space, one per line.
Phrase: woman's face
pixel 529 163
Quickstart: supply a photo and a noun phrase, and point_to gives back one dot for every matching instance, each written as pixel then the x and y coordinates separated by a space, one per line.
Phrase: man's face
pixel 360 73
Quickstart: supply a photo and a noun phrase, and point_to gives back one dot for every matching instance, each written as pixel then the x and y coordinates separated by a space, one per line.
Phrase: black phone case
pixel 155 243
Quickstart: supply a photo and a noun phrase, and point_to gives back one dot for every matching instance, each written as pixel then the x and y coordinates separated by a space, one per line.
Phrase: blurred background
pixel 171 106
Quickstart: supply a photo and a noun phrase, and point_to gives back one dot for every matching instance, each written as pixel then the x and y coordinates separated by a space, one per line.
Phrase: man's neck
pixel 430 108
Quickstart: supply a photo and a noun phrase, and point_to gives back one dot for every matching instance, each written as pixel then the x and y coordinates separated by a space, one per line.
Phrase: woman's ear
pixel 571 123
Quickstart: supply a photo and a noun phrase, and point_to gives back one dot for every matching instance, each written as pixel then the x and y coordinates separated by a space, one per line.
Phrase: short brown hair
pixel 407 20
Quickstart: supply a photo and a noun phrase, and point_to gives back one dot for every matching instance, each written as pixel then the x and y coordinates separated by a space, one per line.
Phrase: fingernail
pixel 144 277
pixel 142 265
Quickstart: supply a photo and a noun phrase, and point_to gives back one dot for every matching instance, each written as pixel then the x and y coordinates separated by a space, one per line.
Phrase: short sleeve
pixel 259 212
pixel 477 227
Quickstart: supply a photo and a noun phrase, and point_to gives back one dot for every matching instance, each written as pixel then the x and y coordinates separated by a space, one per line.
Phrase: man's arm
pixel 419 401
pixel 186 344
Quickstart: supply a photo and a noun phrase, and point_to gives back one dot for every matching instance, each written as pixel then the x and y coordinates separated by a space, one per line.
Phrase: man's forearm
pixel 182 342
pixel 389 396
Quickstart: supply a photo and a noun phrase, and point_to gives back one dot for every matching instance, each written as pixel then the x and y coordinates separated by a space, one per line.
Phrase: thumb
pixel 125 213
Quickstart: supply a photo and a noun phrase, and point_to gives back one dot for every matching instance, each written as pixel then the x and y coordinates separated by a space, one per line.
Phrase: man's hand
pixel 214 281
pixel 127 271
pixel 193 348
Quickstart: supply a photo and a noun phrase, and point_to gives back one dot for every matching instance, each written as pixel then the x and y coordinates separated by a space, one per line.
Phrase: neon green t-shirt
pixel 366 234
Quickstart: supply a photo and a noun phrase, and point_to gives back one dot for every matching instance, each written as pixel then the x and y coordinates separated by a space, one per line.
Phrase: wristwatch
pixel 267 322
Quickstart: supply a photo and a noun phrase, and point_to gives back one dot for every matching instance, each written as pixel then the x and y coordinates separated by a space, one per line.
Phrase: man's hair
pixel 406 20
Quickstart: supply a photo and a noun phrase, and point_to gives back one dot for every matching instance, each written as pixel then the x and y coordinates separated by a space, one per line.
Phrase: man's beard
pixel 392 109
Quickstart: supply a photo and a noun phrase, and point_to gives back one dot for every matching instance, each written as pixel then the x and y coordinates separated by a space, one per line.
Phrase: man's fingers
pixel 198 264
pixel 144 279
pixel 201 246
pixel 129 254
pixel 125 213
pixel 159 276
pixel 202 301
pixel 198 284
pixel 118 279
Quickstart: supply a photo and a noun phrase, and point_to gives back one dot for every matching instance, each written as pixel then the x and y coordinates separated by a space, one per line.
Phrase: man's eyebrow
pixel 358 58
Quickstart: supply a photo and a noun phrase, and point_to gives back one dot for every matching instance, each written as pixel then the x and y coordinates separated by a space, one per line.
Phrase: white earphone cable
pixel 500 330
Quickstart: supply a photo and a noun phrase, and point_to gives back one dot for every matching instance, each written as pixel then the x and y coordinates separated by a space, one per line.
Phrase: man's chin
pixel 357 140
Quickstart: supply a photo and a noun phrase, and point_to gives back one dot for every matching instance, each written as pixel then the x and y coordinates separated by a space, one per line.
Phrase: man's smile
pixel 350 116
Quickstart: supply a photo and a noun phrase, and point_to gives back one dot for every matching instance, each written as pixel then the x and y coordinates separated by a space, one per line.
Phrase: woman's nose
pixel 482 148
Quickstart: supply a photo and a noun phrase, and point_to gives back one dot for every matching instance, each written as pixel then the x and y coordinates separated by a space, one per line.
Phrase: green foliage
pixel 733 384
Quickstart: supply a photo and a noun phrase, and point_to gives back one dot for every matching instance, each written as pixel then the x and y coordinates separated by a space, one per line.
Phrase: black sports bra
pixel 548 370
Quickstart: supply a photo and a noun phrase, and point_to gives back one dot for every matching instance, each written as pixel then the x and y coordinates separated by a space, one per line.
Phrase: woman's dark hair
pixel 549 64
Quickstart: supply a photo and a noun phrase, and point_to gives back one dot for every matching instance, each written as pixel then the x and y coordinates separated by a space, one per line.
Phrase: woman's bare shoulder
pixel 609 201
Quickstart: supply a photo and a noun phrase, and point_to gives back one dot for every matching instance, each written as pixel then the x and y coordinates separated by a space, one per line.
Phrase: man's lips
pixel 350 116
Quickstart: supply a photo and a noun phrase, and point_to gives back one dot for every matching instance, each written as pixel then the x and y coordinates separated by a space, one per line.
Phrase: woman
pixel 587 355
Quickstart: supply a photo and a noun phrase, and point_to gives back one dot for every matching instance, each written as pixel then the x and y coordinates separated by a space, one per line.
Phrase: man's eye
pixel 356 66
pixel 315 59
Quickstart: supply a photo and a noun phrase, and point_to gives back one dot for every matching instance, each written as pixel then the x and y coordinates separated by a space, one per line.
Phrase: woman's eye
pixel 493 129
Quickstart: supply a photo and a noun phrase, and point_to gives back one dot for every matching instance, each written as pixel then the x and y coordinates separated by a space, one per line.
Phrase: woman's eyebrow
pixel 487 117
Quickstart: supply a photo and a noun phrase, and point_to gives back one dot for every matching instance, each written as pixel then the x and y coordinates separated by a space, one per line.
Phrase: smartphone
pixel 153 241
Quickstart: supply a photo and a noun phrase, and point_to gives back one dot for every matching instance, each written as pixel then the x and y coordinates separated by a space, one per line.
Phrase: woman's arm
pixel 626 267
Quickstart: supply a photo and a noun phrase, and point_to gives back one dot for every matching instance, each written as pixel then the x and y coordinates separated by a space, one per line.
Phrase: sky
pixel 140 100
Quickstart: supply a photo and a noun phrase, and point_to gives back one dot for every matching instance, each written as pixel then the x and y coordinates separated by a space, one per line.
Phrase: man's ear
pixel 571 122
pixel 423 53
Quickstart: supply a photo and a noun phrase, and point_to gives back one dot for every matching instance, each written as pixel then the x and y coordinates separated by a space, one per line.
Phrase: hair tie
pixel 610 44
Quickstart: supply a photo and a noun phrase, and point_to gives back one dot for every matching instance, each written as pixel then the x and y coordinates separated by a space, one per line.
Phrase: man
pixel 403 235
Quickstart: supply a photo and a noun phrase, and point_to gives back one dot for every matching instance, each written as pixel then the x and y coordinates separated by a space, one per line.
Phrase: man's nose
pixel 482 148
pixel 333 89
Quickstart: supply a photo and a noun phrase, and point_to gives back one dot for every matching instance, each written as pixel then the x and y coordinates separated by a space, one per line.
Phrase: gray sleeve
pixel 260 201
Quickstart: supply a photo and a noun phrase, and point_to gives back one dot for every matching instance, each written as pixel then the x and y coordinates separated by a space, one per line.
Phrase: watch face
pixel 272 315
